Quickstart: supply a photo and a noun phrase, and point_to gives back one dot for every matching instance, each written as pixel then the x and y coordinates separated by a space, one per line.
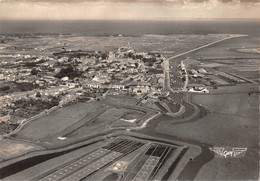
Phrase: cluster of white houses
pixel 133 87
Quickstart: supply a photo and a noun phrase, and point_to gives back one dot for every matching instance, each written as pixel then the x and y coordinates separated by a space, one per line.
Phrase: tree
pixel 68 72
pixel 130 54
pixel 34 71
pixel 38 94
pixel 5 88
pixel 113 77
pixel 104 56
pixel 139 56
pixel 55 101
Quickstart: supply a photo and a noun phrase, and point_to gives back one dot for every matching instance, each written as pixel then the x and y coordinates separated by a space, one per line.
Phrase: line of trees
pixel 69 71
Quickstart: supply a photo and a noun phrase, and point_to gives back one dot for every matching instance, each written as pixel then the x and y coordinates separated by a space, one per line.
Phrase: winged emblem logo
pixel 222 152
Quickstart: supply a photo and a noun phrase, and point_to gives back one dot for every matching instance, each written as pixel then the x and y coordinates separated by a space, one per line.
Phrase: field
pixel 11 148
pixel 47 44
pixel 83 119
pixel 75 122
pixel 104 121
pixel 58 120
pixel 232 121
pixel 241 65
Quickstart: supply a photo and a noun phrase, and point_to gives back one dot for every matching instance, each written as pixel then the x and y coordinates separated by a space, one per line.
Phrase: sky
pixel 129 9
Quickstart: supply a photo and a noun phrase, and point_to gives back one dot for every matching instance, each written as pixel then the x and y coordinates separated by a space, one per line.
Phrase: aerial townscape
pixel 73 76
pixel 124 107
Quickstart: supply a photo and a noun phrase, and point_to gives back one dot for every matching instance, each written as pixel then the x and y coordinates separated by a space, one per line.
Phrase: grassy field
pixel 223 57
pixel 105 121
pixel 233 121
pixel 222 49
pixel 46 45
pixel 82 119
pixel 12 148
pixel 246 168
pixel 57 121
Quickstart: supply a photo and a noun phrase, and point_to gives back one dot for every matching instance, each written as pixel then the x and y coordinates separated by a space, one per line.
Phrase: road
pixel 204 46
pixel 166 71
pixel 186 76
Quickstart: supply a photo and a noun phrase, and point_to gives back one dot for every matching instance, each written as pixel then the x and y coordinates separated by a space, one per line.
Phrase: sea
pixel 130 28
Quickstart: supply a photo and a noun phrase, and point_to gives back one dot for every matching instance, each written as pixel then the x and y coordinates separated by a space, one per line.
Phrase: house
pixel 111 56
pixel 160 81
pixel 200 88
pixel 65 78
pixel 118 86
pixel 93 84
pixel 2 78
pixel 139 87
pixel 4 118
pixel 101 79
pixel 202 71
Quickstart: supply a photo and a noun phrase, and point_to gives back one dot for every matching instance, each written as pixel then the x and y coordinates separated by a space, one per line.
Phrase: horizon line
pixel 118 19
